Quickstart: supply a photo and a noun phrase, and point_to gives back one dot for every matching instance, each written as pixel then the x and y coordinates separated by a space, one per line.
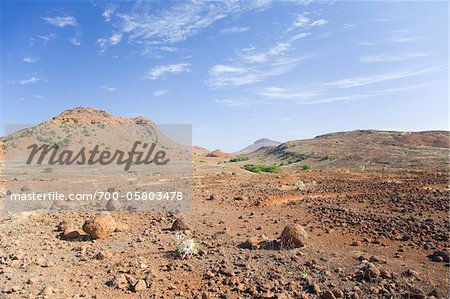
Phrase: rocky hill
pixel 362 149
pixel 263 142
pixel 85 126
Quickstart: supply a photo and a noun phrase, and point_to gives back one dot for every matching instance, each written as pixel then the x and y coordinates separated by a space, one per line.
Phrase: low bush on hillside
pixel 262 168
pixel 239 159
pixel 306 168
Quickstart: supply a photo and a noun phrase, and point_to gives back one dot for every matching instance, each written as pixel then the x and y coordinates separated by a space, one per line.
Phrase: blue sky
pixel 236 70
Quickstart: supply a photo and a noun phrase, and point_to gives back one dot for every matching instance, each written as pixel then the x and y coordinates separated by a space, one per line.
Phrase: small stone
pixel 70 234
pixel 179 224
pixel 327 295
pixel 32 280
pixel 436 258
pixel 386 274
pixel 240 198
pixel 338 293
pixel 25 189
pixel 374 259
pixel 251 243
pixel 119 282
pixel 65 224
pixel 104 255
pixel 442 255
pixel 370 271
pixel 140 286
pixel 314 288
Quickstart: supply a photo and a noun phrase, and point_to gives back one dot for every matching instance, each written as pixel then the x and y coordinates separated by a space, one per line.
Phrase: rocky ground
pixel 369 235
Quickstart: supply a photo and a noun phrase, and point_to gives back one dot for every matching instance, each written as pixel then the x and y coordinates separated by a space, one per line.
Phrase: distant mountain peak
pixel 263 142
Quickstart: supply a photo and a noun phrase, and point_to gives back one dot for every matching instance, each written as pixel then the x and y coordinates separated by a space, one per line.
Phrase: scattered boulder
pixel 179 224
pixel 251 243
pixel 119 282
pixel 355 243
pixel 65 224
pixel 369 272
pixel 293 236
pixel 70 234
pixel 327 295
pixel 140 286
pixel 69 231
pixel 100 227
pixel 440 256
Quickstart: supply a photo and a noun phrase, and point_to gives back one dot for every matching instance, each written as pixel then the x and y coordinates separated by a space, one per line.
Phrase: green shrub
pixel 239 159
pixel 262 168
pixel 47 170
pixel 306 167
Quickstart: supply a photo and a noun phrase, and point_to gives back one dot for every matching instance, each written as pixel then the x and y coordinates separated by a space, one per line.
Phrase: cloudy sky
pixel 236 70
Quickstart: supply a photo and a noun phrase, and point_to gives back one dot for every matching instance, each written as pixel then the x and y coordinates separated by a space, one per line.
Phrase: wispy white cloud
pixel 345 89
pixel 365 43
pixel 396 37
pixel 244 102
pixel 30 59
pixel 288 94
pixel 37 96
pixel 108 12
pixel 161 92
pixel 163 70
pixel 319 94
pixel 392 57
pixel 114 39
pixel 362 81
pixel 252 66
pixel 224 69
pixel 235 29
pixel 298 36
pixel 108 88
pixel 44 39
pixel 31 80
pixel 229 75
pixel 61 21
pixel 75 40
pixel 304 20
pixel 181 20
